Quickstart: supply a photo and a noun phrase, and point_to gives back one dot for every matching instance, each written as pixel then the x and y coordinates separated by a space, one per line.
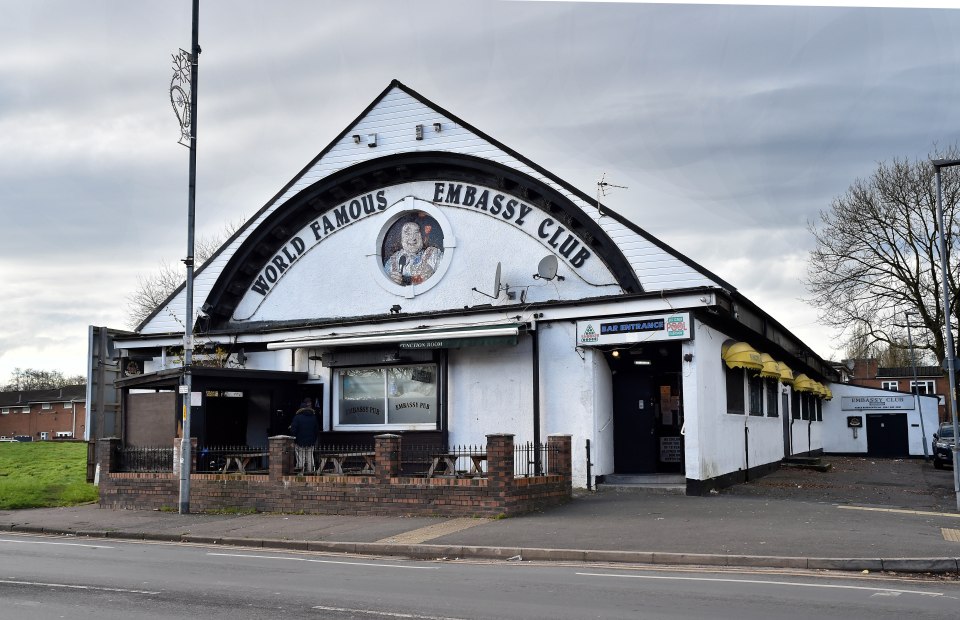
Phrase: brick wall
pixel 382 493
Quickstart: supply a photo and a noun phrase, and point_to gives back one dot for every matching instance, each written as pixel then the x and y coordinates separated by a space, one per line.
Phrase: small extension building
pixel 421 278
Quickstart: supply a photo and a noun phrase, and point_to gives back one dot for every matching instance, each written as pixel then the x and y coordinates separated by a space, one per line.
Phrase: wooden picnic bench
pixel 338 458
pixel 241 460
pixel 448 463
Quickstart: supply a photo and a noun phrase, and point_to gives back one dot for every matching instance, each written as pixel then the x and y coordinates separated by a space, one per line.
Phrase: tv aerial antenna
pixel 604 188
pixel 497 287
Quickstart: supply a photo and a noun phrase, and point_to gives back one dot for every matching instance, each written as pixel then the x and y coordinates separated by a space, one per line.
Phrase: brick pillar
pixel 560 458
pixel 500 470
pixel 388 456
pixel 107 454
pixel 176 455
pixel 281 457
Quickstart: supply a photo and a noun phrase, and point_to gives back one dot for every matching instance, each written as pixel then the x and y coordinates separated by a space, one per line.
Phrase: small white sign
pixel 196 399
pixel 183 389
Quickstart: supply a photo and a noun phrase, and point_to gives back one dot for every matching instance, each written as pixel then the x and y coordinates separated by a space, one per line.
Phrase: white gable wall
pixel 840 439
pixel 393 120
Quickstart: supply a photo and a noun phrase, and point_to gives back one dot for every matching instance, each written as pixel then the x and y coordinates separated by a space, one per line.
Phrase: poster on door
pixel 671 449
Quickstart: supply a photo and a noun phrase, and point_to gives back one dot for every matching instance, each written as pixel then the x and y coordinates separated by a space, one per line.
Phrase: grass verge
pixel 44 474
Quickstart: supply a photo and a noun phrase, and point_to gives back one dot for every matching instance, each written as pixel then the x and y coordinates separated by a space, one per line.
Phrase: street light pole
pixel 186 458
pixel 951 354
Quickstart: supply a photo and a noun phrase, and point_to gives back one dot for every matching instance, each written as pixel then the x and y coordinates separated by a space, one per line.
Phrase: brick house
pixel 930 380
pixel 44 414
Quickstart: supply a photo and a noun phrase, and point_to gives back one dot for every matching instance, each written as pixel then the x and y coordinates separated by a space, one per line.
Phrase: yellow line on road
pixel 905 512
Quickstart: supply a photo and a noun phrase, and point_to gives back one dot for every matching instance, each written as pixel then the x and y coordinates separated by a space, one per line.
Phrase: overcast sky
pixel 731 126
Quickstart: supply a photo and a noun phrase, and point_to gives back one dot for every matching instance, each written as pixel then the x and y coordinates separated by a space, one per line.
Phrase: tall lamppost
pixel 183 97
pixel 951 354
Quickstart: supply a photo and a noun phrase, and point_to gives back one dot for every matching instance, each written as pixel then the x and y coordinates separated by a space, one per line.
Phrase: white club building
pixel 419 277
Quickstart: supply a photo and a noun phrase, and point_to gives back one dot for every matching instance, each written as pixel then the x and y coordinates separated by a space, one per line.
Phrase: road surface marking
pixel 951 535
pixel 388 614
pixel 295 559
pixel 762 582
pixel 45 542
pixel 436 530
pixel 74 587
pixel 904 512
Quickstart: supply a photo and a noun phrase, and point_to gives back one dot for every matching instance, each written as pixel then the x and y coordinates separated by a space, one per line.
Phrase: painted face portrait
pixel 411 251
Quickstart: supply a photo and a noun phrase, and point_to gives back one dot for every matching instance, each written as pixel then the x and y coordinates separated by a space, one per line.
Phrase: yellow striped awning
pixel 771 367
pixel 786 375
pixel 741 355
pixel 803 383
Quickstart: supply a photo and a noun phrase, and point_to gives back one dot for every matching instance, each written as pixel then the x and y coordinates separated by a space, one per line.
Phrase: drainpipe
pixel 536 399
pixel 73 429
pixel 746 451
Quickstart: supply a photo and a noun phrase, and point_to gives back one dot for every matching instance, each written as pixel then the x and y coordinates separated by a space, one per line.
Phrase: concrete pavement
pixel 790 519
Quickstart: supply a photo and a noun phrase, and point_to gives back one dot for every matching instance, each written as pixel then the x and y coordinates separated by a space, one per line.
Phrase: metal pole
pixel 950 352
pixel 185 456
pixel 916 389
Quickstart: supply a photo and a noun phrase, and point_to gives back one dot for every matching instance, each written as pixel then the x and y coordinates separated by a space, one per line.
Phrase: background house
pixel 930 380
pixel 58 413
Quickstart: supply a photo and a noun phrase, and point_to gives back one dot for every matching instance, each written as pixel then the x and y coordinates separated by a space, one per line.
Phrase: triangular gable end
pixel 386 129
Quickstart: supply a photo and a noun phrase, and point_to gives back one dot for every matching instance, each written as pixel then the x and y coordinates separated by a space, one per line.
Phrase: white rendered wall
pixel 576 398
pixel 490 392
pixel 718 441
pixel 341 277
pixel 840 440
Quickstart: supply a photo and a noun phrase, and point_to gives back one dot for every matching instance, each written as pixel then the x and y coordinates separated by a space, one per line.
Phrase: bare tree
pixel 153 289
pixel 22 379
pixel 877 257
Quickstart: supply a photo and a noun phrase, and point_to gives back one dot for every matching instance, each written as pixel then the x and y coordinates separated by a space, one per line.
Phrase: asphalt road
pixel 42 577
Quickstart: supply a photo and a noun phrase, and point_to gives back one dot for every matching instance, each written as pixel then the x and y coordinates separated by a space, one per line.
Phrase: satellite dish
pixel 547 269
pixel 496 282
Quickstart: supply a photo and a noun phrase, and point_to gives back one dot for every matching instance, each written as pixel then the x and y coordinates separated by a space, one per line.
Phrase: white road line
pixel 388 614
pixel 45 542
pixel 74 587
pixel 771 583
pixel 293 559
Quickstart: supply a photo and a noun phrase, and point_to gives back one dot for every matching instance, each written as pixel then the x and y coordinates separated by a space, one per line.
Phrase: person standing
pixel 306 429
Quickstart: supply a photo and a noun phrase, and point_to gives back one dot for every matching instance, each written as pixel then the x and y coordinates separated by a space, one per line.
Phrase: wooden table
pixel 448 462
pixel 241 461
pixel 338 458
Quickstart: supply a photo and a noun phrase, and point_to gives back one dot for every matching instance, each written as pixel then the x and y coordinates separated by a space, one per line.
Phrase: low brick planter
pixel 381 493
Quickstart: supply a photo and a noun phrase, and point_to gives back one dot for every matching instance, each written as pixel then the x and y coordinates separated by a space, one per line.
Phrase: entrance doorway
pixel 647 409
pixel 887 435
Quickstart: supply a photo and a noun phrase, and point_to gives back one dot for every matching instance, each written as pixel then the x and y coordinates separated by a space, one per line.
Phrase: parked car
pixel 943 446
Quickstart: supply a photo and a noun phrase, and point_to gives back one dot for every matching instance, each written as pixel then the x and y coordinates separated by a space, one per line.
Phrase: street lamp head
pixel 944 163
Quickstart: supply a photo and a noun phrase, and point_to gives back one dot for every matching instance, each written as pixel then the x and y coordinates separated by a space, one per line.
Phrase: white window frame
pixel 5 411
pixel 890 385
pixel 928 384
pixel 46 406
pixel 24 409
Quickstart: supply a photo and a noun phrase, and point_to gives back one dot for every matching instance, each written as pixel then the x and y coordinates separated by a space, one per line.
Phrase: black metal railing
pixel 419 460
pixel 530 459
pixel 229 459
pixel 144 459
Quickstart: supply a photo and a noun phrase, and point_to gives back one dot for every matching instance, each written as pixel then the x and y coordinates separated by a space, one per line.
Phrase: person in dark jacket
pixel 306 429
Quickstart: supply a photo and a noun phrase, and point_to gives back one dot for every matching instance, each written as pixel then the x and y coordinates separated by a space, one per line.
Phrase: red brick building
pixel 930 380
pixel 44 414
